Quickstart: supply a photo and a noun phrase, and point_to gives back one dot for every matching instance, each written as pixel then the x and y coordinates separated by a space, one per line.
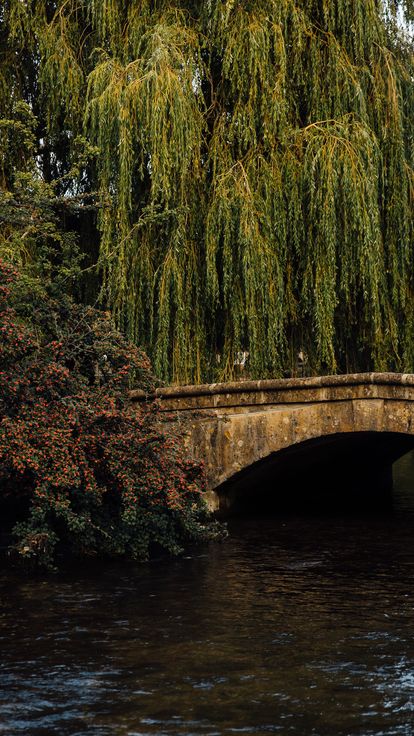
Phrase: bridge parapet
pixel 242 395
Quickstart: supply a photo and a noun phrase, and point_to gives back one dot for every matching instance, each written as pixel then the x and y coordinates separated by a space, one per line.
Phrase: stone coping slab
pixel 277 384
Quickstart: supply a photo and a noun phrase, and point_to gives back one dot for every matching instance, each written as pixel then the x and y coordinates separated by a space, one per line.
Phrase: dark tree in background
pixel 241 171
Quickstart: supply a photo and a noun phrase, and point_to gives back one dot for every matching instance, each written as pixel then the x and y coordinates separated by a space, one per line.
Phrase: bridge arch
pixel 234 427
pixel 338 471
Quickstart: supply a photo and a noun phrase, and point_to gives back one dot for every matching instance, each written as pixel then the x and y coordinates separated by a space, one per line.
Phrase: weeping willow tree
pixel 250 164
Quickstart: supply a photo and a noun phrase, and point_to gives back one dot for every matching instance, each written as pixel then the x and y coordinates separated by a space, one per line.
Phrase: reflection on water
pixel 295 625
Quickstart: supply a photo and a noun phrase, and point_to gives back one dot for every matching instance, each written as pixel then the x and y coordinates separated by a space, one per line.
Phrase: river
pixel 294 625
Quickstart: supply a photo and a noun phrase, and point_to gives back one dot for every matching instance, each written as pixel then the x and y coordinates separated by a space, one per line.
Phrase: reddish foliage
pixel 79 470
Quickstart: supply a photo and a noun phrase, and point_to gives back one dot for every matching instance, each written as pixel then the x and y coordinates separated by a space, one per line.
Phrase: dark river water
pixel 294 625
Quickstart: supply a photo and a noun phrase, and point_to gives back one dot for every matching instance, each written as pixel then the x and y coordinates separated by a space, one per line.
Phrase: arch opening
pixel 340 472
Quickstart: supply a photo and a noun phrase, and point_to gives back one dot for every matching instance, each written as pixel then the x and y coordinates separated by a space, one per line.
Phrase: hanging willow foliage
pixel 254 175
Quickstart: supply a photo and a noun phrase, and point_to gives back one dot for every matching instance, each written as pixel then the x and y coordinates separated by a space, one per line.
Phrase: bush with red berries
pixel 79 473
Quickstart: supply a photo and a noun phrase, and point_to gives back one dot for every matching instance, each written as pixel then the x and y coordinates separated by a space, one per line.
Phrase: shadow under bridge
pixel 348 471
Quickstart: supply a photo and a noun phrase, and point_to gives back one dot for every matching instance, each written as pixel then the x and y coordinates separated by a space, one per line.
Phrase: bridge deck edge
pixel 285 384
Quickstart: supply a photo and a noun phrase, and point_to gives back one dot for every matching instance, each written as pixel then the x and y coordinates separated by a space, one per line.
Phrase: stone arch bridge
pixel 260 438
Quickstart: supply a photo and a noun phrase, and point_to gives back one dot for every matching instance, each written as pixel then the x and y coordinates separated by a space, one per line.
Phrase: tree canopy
pixel 241 172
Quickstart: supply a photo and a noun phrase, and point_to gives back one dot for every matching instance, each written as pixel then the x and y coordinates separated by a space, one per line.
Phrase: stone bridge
pixel 276 441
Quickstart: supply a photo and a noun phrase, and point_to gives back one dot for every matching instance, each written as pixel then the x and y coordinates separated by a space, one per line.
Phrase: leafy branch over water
pixel 80 473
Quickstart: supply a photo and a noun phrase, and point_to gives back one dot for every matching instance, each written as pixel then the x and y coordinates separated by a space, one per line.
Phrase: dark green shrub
pixel 79 472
